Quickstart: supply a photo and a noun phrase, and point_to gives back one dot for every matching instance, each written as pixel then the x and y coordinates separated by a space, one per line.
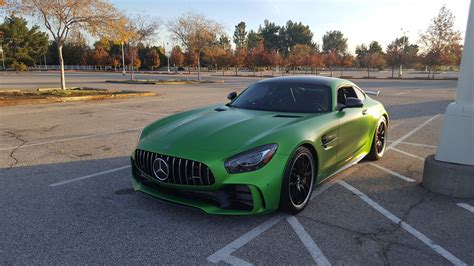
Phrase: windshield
pixel 285 97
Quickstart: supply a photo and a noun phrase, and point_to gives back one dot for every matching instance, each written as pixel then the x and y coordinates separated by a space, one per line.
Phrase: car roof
pixel 317 80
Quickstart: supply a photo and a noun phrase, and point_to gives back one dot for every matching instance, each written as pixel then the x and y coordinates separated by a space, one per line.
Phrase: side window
pixel 359 93
pixel 344 93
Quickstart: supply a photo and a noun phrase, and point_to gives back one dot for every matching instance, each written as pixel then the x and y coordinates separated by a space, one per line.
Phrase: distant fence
pixel 77 67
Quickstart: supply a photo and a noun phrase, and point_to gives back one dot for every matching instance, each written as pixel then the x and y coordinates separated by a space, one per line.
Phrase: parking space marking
pixel 89 176
pixel 414 144
pixel 466 206
pixel 233 260
pixel 308 242
pixel 223 253
pixel 410 229
pixel 393 173
pixel 69 139
pixel 408 154
pixel 413 131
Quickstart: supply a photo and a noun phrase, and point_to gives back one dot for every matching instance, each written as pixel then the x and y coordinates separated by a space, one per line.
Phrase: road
pixel 66 195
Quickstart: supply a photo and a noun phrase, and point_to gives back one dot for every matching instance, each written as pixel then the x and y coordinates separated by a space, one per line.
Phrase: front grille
pixel 181 171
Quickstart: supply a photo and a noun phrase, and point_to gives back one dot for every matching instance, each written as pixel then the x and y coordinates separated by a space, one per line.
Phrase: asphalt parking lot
pixel 66 196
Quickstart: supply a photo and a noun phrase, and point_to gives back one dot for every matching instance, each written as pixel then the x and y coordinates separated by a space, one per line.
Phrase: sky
pixel 361 21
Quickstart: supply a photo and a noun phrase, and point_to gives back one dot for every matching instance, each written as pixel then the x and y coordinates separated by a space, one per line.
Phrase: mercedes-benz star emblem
pixel 160 169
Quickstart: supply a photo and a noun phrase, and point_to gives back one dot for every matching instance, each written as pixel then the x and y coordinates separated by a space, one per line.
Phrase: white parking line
pixel 233 260
pixel 393 173
pixel 69 139
pixel 134 111
pixel 408 154
pixel 308 242
pixel 410 229
pixel 466 206
pixel 413 131
pixel 223 253
pixel 414 144
pixel 89 176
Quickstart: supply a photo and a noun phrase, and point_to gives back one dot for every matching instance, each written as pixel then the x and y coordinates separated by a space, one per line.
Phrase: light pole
pixel 168 53
pixel 400 74
pixel 451 170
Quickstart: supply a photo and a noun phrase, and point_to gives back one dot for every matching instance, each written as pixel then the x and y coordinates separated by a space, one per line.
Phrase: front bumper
pixel 254 192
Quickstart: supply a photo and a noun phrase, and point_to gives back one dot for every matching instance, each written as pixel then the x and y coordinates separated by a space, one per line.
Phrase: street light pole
pixel 168 57
pixel 450 171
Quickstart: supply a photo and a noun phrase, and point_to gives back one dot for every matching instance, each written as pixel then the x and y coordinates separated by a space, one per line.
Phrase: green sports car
pixel 264 150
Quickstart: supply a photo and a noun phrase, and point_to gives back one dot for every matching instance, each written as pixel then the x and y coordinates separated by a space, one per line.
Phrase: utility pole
pixel 400 74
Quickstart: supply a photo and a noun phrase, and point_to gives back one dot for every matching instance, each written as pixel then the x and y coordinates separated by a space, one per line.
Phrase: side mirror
pixel 352 102
pixel 232 95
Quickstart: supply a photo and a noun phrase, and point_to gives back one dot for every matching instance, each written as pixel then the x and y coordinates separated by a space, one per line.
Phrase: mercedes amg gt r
pixel 264 150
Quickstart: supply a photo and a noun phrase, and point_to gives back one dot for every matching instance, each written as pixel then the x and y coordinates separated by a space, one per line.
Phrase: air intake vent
pixel 221 109
pixel 288 116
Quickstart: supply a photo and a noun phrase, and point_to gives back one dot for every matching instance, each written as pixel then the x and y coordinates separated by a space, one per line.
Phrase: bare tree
pixel 195 32
pixel 62 16
pixel 438 40
pixel 141 29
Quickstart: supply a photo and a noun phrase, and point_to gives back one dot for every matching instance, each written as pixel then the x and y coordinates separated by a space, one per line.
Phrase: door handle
pixel 364 112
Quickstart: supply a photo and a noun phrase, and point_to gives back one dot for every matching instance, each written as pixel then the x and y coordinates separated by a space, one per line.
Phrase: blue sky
pixel 361 21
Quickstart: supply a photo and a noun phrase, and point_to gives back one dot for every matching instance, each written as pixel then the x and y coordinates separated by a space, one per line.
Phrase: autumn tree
pixel 258 57
pixel 330 60
pixel 400 52
pixel 370 56
pixel 196 33
pixel 275 60
pixel 177 57
pixel 61 16
pixel 439 39
pixel 190 60
pixel 240 35
pixel 345 60
pixel 299 55
pixel 240 55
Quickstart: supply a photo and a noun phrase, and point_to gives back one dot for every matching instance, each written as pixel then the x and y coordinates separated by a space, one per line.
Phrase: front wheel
pixel 298 181
pixel 380 140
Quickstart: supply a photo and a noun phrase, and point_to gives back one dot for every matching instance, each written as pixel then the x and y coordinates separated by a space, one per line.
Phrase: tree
pixel 195 32
pixel 240 55
pixel 275 60
pixel 330 59
pixel 269 33
pixel 190 60
pixel 60 17
pixel 345 60
pixel 258 57
pixel 334 41
pixel 293 34
pixel 142 29
pixel 439 39
pixel 23 45
pixel 177 57
pixel 370 57
pixel 152 59
pixel 240 35
pixel 400 52
pixel 253 39
pixel 299 56
pixel 100 55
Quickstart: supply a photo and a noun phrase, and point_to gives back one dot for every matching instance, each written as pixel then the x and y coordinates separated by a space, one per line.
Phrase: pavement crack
pixel 12 153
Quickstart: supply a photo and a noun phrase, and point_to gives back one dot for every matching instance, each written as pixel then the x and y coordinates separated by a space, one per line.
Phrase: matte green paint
pixel 211 137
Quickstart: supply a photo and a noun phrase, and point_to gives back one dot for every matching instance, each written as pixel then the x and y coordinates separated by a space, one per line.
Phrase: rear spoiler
pixel 375 93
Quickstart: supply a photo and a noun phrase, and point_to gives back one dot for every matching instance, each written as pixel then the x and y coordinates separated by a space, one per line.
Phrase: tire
pixel 298 181
pixel 379 141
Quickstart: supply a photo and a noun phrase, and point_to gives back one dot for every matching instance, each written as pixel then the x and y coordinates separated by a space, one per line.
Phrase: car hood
pixel 229 130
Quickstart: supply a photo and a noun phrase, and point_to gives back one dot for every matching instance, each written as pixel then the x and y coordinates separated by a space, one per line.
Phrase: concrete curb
pixel 53 99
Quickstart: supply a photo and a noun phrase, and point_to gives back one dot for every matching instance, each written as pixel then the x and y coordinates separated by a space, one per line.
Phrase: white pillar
pixel 456 144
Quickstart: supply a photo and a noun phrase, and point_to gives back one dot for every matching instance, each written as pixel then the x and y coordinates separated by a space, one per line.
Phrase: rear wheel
pixel 380 140
pixel 298 181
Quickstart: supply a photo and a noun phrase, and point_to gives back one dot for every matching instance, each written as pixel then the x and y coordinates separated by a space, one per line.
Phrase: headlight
pixel 250 160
